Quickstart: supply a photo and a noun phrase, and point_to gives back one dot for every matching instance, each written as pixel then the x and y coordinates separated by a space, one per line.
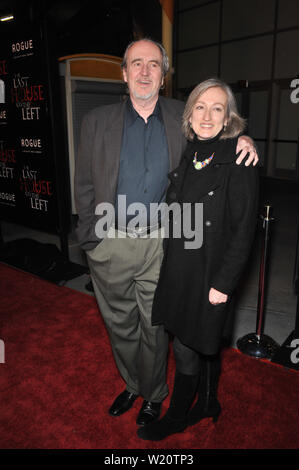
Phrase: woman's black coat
pixel 229 193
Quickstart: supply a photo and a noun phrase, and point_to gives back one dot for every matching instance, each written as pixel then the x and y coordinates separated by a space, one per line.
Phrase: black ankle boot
pixel 207 405
pixel 175 419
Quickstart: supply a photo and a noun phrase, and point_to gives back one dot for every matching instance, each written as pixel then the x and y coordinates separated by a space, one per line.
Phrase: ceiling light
pixel 7 18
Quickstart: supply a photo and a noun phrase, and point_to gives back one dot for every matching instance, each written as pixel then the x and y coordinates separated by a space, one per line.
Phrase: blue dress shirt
pixel 144 163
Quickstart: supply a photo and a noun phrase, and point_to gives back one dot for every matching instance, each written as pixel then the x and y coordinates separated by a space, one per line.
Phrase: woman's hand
pixel 246 144
pixel 216 297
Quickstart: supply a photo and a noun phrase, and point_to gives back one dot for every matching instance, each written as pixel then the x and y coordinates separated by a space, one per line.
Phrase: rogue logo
pixel 31 143
pixel 22 46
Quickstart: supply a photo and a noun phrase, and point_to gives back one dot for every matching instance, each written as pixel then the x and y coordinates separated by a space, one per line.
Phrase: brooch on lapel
pixel 199 165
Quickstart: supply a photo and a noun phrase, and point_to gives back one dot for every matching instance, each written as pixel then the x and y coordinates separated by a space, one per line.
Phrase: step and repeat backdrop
pixel 28 166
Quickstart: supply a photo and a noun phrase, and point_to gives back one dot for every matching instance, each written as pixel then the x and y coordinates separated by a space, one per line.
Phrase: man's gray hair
pixel 235 123
pixel 165 60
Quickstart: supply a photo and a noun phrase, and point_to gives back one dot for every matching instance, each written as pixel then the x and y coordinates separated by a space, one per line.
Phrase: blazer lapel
pixel 175 138
pixel 112 145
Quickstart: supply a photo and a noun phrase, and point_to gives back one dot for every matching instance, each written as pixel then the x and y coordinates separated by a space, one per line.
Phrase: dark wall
pixel 253 46
pixel 80 26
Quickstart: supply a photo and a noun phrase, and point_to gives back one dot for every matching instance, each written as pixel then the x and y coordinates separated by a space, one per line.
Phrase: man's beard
pixel 144 97
pixel 151 94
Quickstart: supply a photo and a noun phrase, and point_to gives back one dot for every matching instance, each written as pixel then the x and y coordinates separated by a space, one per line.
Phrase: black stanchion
pixel 257 344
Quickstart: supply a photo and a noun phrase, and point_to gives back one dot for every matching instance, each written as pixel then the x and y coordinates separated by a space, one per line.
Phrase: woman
pixel 193 299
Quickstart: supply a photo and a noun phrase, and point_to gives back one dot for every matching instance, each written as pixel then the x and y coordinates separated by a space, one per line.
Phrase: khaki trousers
pixel 125 273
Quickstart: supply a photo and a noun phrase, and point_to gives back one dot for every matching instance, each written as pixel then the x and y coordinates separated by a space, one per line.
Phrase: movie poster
pixel 27 162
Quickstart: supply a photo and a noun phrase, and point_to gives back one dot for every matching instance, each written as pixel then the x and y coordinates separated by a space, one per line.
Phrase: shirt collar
pixel 132 115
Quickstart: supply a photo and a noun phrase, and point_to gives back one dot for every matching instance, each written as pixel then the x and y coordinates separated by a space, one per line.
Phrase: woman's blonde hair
pixel 235 123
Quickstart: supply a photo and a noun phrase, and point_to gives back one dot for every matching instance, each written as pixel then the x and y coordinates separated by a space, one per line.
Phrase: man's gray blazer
pixel 97 165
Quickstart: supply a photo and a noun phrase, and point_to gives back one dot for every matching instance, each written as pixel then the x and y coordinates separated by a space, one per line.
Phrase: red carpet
pixel 59 379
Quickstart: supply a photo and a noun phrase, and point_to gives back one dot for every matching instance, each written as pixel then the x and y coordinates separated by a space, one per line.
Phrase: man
pixel 127 149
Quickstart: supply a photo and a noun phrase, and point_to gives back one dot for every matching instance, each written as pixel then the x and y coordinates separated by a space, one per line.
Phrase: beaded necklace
pixel 199 165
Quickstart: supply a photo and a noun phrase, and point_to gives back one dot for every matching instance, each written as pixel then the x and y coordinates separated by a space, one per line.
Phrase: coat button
pixel 211 193
pixel 175 175
pixel 208 223
pixel 172 195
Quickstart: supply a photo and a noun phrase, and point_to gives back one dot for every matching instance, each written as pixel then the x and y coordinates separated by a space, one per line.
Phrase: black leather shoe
pixel 122 403
pixel 148 413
